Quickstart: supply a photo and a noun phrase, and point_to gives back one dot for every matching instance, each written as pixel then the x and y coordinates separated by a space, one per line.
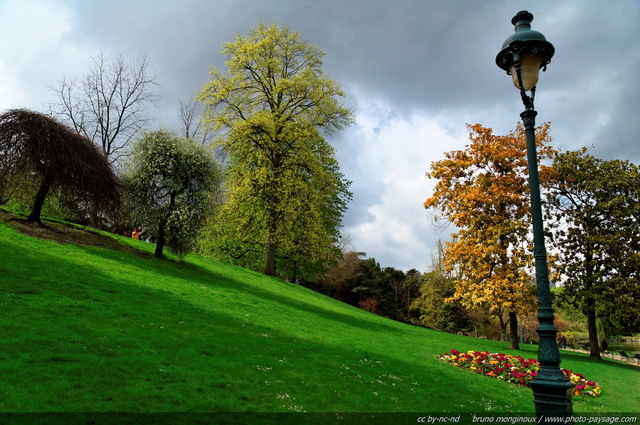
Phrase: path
pixel 609 355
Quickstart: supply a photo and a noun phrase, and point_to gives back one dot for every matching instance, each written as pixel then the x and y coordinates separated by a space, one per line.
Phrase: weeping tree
pixel 34 146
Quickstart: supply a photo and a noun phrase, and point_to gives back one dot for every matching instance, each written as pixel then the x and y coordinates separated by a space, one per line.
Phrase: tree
pixel 596 217
pixel 341 273
pixel 171 182
pixel 284 190
pixel 108 103
pixel 191 125
pixel 338 280
pixel 397 292
pixel 403 293
pixel 370 280
pixel 483 190
pixel 35 147
pixel 435 303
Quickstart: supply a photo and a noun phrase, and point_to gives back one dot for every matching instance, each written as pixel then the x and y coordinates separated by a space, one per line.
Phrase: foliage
pixel 576 339
pixel 403 290
pixel 371 305
pixel 39 154
pixel 353 280
pixel 483 190
pixel 370 279
pixel 171 182
pixel 563 307
pixel 285 193
pixel 435 304
pixel 514 369
pixel 107 104
pixel 595 205
pixel 339 278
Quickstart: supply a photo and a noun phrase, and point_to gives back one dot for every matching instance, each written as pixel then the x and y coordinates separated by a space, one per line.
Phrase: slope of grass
pixel 107 327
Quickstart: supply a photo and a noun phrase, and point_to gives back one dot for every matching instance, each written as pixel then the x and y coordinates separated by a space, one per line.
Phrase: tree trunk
pixel 270 259
pixel 503 326
pixel 594 349
pixel 270 255
pixel 594 346
pixel 38 202
pixel 162 228
pixel 160 241
pixel 95 221
pixel 513 330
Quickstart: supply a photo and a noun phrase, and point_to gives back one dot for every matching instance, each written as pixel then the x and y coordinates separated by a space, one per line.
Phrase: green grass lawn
pixel 107 327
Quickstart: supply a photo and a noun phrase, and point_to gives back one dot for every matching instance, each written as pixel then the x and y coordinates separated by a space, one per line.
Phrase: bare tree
pixel 36 145
pixel 109 103
pixel 193 128
pixel 191 125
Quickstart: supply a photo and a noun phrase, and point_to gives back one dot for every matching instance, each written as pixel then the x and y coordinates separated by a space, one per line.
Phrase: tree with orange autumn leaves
pixel 483 190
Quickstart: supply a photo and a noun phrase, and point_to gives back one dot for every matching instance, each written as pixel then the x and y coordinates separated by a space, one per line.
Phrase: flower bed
pixel 513 369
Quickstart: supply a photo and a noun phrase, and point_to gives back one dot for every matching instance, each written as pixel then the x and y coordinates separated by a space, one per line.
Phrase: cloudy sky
pixel 415 71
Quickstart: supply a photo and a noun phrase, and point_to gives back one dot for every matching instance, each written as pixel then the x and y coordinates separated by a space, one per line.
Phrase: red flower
pixel 513 369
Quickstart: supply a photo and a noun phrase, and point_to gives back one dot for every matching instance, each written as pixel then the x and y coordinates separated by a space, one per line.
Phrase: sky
pixel 416 72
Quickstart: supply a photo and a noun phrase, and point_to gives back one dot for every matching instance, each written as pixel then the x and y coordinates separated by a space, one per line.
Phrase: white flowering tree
pixel 172 182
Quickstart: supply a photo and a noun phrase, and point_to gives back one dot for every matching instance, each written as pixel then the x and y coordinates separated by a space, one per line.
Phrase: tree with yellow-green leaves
pixel 285 195
pixel 483 191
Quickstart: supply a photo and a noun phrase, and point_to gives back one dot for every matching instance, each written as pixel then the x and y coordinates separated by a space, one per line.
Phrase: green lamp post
pixel 523 54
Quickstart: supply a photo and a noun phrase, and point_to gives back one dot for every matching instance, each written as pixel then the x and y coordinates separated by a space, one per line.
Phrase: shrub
pixel 576 339
pixel 371 305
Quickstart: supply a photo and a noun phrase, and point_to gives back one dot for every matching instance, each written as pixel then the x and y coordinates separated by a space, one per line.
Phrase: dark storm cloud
pixel 407 51
pixel 430 55
pixel 401 63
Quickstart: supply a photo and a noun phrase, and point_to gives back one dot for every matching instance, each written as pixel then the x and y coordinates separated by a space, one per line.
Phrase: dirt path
pixel 67 234
pixel 609 355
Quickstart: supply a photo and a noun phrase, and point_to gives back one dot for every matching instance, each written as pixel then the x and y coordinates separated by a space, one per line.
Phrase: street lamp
pixel 523 54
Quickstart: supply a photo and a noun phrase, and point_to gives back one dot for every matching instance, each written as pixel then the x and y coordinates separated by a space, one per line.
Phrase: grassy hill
pixel 93 322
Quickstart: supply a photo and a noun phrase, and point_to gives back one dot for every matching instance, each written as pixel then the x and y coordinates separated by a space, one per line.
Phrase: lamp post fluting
pixel 523 54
